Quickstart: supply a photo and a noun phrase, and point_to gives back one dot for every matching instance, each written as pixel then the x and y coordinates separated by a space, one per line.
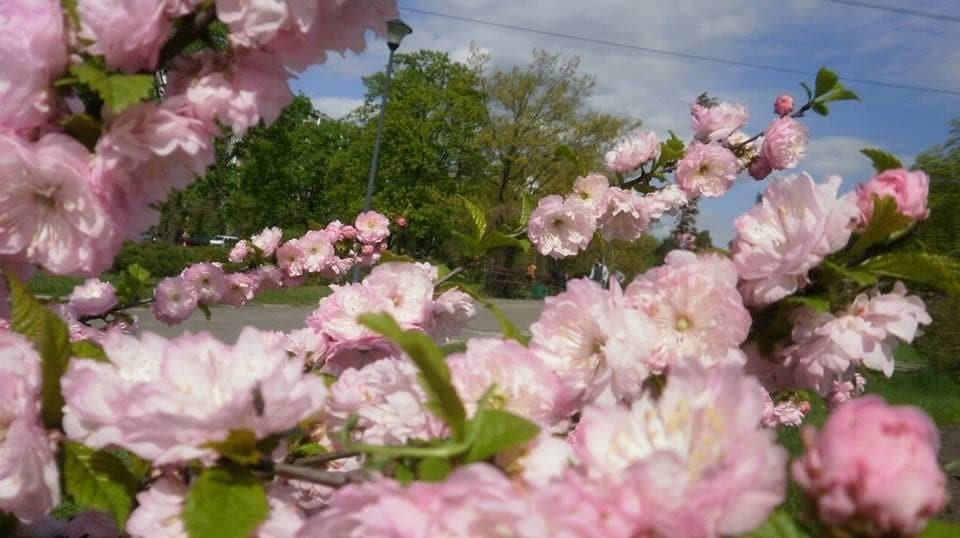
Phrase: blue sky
pixel 796 34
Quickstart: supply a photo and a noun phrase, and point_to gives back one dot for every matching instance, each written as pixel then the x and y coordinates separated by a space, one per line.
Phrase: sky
pixel 803 35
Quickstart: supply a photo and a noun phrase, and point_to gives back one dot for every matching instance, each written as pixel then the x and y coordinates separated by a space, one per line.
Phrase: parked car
pixel 224 240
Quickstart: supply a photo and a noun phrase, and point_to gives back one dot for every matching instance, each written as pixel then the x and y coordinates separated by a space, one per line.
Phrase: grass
pixel 302 296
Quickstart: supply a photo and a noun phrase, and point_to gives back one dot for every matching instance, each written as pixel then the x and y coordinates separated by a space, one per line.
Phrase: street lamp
pixel 396 31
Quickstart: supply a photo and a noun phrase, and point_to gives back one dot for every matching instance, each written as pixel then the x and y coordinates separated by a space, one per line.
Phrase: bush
pixel 163 259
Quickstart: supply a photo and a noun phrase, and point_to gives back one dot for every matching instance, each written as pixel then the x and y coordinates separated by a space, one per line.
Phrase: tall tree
pixel 942 163
pixel 534 109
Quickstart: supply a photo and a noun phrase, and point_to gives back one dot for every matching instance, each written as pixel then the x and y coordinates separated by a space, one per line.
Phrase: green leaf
pixel 70 7
pixel 84 127
pixel 225 503
pixel 310 449
pixel 448 449
pixel 453 347
pixel 390 256
pixel 526 209
pixel 469 245
pixel 239 446
pixel 779 525
pixel 881 160
pixel 495 239
pixel 86 349
pixel 816 302
pixel 52 340
pixel 820 108
pixel 839 93
pixel 433 369
pixel 826 81
pixel 564 152
pixel 835 272
pixel 434 469
pixel 477 215
pixel 806 88
pixel 905 353
pixel 497 430
pixel 885 221
pixel 99 480
pixel 671 149
pixel 118 92
pixel 940 529
pixel 934 270
pixel 205 309
pixel 132 283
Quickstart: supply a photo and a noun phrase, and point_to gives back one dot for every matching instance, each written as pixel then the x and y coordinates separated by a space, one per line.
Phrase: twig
pixel 316 476
pixel 325 458
pixel 193 28
pixel 120 308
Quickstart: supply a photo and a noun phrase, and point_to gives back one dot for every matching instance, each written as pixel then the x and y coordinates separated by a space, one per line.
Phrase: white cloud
pixel 839 155
pixel 335 107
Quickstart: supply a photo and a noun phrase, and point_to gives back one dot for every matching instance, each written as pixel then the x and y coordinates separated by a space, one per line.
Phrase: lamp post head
pixel 396 31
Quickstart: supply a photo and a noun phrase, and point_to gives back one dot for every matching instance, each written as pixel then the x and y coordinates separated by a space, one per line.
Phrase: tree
pixel 942 164
pixel 534 109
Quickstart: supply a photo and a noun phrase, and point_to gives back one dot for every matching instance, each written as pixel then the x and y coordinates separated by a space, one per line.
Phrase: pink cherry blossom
pixel 561 228
pixel 166 399
pixel 908 189
pixel 239 252
pixel 665 201
pixel 267 240
pixel 865 447
pixel 239 91
pixel 784 143
pixel 716 123
pixel 543 460
pixel 591 342
pixel 624 215
pixel 372 227
pixel 450 313
pixel 633 150
pixel 145 153
pixel 695 458
pixel 693 302
pixel 291 258
pixel 206 281
pixel 29 479
pixel 707 169
pixel 317 250
pixel 306 344
pixel 48 214
pixel 268 277
pixel 91 524
pixel 33 52
pixel 522 383
pixel 796 225
pixel 590 189
pixel 92 298
pixel 408 287
pixel 785 413
pixel 845 390
pixel 388 401
pixel 759 168
pixel 783 105
pixel 129 34
pixel 174 300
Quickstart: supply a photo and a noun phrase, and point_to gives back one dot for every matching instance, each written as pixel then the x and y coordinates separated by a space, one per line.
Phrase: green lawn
pixel 302 296
pixel 48 285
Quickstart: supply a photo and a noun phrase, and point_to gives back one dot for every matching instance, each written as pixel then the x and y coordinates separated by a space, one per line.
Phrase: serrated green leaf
pixel 86 349
pixel 671 150
pixel 118 92
pixel 434 469
pixel 224 503
pixel 885 221
pixel 780 524
pixel 807 89
pixel 495 239
pixel 52 339
pixel 564 152
pixel 826 81
pixel 881 160
pixel 820 108
pixel 477 216
pixel 83 127
pixel 934 270
pixel 497 430
pixel 239 446
pixel 139 273
pixel 430 360
pixel 835 272
pixel 940 529
pixel 99 480
pixel 839 93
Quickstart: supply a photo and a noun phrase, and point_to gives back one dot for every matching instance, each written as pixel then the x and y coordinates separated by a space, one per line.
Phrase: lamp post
pixel 396 31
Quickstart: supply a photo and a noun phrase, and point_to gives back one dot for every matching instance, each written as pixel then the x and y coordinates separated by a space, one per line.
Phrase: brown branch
pixel 325 458
pixel 316 476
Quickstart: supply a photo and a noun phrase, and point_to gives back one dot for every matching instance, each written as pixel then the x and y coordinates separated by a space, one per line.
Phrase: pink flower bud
pixel 348 232
pixel 783 105
pixel 367 250
pixel 759 169
pixel 382 246
pixel 402 222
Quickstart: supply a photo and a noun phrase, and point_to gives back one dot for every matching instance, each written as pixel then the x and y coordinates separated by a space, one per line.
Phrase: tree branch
pixel 194 27
pixel 316 476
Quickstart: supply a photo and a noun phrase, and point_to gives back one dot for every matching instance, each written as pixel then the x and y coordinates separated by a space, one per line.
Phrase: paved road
pixel 226 322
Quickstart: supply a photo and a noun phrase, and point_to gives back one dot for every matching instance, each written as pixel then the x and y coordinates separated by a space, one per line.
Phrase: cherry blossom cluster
pixel 83 173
